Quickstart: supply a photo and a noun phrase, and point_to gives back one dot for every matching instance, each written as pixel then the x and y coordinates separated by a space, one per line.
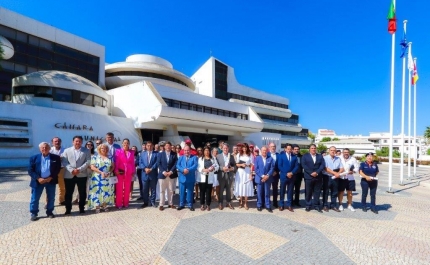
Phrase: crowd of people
pixel 104 174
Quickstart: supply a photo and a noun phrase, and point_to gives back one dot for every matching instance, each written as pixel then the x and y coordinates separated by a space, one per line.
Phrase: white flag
pixel 410 61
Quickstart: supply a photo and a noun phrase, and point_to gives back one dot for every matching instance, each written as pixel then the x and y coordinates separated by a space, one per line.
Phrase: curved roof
pixel 61 80
pixel 148 63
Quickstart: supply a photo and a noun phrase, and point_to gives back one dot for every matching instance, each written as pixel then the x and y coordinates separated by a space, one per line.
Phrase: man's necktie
pixel 149 157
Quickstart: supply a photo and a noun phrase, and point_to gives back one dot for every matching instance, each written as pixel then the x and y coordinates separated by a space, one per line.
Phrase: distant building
pixel 377 139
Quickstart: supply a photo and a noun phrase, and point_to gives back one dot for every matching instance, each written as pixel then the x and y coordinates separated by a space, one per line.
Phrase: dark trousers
pixel 82 190
pixel 149 183
pixel 35 197
pixel 139 174
pixel 263 195
pixel 366 186
pixel 313 189
pixel 287 186
pixel 205 193
pixel 186 189
pixel 275 192
pixel 297 185
pixel 330 186
pixel 224 183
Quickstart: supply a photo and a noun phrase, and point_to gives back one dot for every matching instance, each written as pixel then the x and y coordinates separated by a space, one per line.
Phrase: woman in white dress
pixel 215 188
pixel 243 181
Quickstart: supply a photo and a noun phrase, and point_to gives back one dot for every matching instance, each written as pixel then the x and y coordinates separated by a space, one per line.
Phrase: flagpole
pixel 402 146
pixel 409 117
pixel 390 159
pixel 415 124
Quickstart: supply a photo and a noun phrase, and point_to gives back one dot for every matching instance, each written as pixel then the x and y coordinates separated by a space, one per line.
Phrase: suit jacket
pixel 299 161
pixel 35 168
pixel 231 163
pixel 164 166
pixel 123 162
pixel 70 163
pixel 309 166
pixel 143 163
pixel 201 176
pixel 191 165
pixel 286 166
pixel 112 150
pixel 261 169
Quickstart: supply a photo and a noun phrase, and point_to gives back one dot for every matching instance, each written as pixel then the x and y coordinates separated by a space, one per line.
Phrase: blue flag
pixel 404 45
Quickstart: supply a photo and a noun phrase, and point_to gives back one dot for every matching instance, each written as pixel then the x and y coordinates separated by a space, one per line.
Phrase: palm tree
pixel 427 134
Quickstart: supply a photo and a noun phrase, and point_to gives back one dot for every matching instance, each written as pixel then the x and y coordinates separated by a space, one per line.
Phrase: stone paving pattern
pixel 399 234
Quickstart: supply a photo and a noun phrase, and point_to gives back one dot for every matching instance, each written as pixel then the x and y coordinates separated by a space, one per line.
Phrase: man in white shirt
pixel 57 149
pixel 347 182
pixel 112 146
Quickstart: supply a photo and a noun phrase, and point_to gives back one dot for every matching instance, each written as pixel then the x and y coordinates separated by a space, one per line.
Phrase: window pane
pixel 104 103
pixel 184 105
pixel 200 108
pixel 176 104
pixel 45 92
pixel 97 101
pixel 24 90
pixel 86 99
pixel 208 110
pixel 214 111
pixel 33 40
pixel 63 95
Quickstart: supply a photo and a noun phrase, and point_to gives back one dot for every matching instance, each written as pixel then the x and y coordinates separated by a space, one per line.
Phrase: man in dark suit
pixel 167 174
pixel 148 164
pixel 225 176
pixel 275 183
pixel 298 176
pixel 43 170
pixel 313 164
pixel 186 166
pixel 288 166
pixel 264 166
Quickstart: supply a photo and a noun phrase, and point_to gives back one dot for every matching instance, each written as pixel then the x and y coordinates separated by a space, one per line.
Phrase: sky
pixel 331 59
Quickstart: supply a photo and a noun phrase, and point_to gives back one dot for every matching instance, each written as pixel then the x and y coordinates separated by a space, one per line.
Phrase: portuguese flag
pixel 392 18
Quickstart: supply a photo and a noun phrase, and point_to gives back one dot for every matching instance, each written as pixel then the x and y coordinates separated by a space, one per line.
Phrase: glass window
pixel 193 107
pixel 24 90
pixel 208 110
pixel 214 111
pixel 104 103
pixel 21 36
pixel 6 65
pixel 20 47
pixel 200 108
pixel 86 99
pixel 168 102
pixel 176 104
pixel 97 101
pixel 43 92
pixel 63 95
pixel 184 105
pixel 33 40
pixel 20 68
pixel 7 32
pixel 45 44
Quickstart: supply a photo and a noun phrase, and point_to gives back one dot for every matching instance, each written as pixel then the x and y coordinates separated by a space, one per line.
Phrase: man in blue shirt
pixel 43 170
pixel 186 166
pixel 333 168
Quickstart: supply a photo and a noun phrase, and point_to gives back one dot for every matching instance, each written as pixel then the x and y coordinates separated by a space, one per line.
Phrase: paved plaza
pixel 399 234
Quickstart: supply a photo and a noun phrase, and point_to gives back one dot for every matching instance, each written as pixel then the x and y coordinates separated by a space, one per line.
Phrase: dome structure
pixel 139 67
pixel 59 79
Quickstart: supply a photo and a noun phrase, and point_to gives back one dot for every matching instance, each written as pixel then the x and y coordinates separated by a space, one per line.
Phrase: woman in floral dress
pixel 101 192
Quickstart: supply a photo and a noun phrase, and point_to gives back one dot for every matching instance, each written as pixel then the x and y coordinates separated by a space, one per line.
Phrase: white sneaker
pixel 341 208
pixel 351 208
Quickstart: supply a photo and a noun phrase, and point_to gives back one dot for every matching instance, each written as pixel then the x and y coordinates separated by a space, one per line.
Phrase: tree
pixel 325 139
pixel 427 134
pixel 384 152
pixel 335 139
pixel 321 147
pixel 312 136
pixel 305 151
pixel 351 152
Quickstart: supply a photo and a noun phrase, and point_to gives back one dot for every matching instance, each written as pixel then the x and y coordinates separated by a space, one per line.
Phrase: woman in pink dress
pixel 124 170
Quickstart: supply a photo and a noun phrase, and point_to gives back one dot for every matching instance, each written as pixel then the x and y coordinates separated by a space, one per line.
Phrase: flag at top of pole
pixel 392 18
pixel 415 74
